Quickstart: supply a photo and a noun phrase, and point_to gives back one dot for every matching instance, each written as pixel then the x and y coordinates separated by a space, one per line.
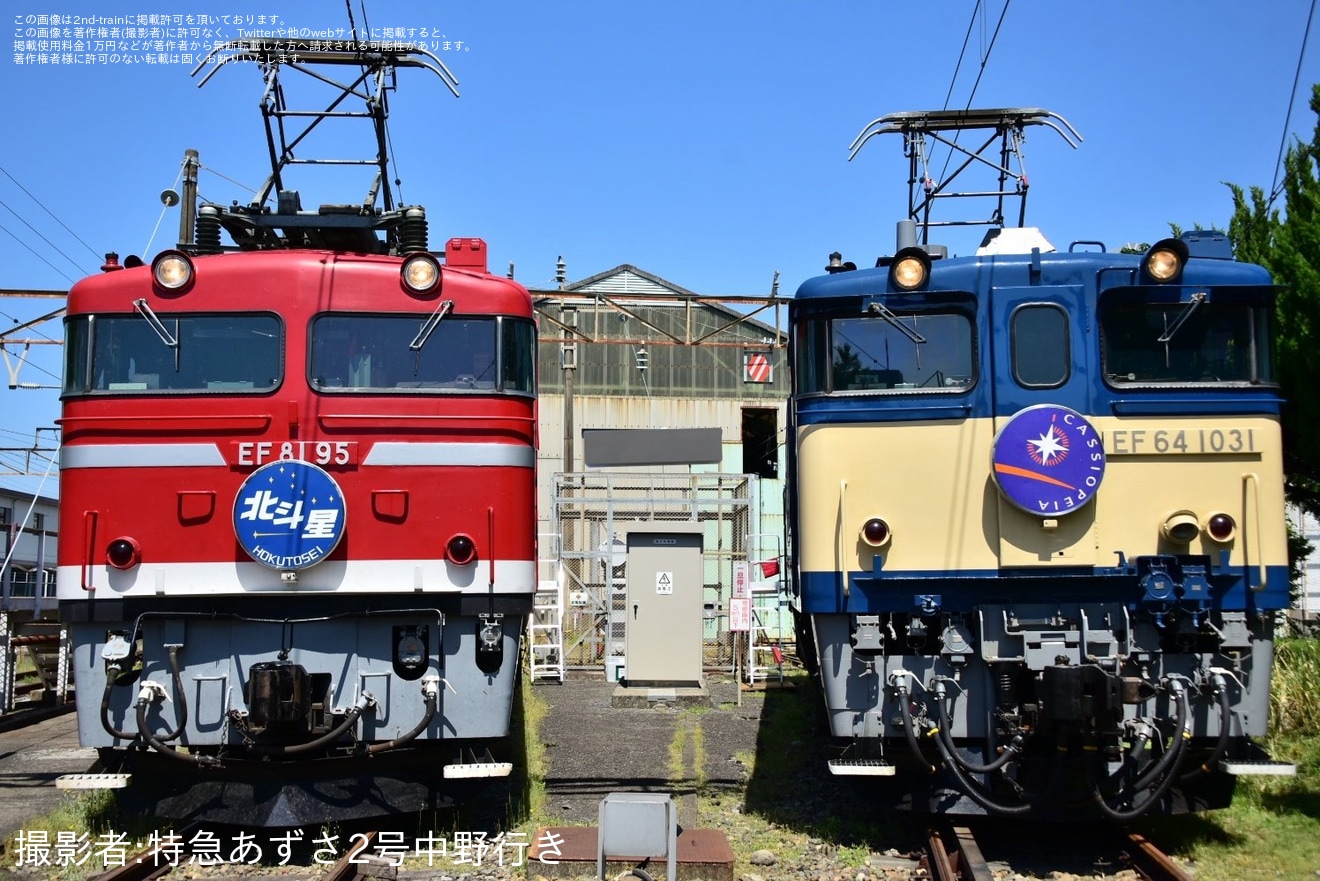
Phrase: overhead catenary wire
pixel 985 59
pixel 61 272
pixel 207 168
pixel 961 54
pixel 27 517
pixel 1276 186
pixel 89 248
pixel 39 235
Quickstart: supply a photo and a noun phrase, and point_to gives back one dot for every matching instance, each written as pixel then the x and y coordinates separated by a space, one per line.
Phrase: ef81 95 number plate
pixel 316 452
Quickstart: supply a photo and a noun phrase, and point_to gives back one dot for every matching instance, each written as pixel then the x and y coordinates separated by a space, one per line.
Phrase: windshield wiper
pixel 1193 304
pixel 878 308
pixel 156 324
pixel 429 325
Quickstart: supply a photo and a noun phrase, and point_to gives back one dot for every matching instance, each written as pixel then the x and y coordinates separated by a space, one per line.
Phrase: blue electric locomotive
pixel 1036 505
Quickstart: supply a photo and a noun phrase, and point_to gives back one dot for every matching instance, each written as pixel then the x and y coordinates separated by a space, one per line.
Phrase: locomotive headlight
pixel 910 269
pixel 1221 527
pixel 1165 260
pixel 461 550
pixel 1181 527
pixel 421 273
pixel 173 270
pixel 876 532
pixel 123 553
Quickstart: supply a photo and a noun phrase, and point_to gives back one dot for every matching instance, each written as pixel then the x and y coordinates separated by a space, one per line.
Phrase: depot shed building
pixel 657 404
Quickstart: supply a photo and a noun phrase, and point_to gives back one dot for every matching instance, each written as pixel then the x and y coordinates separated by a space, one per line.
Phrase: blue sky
pixel 706 142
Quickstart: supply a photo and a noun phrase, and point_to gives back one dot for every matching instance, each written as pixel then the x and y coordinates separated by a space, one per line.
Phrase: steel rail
pixel 952 854
pixel 1150 862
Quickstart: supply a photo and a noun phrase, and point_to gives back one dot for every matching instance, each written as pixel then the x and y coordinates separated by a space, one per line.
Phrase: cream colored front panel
pixel 928 480
pixel 931 482
pixel 1202 464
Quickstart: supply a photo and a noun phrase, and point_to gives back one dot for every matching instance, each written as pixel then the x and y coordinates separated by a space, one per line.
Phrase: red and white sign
pixel 740 579
pixel 756 367
pixel 740 615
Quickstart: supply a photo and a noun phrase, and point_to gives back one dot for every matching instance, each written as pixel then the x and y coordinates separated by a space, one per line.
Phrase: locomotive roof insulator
pixel 837 264
pixel 1164 262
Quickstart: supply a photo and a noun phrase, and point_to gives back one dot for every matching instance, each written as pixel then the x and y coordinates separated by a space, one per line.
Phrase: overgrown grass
pixel 75 827
pixel 791 805
pixel 527 802
pixel 1272 829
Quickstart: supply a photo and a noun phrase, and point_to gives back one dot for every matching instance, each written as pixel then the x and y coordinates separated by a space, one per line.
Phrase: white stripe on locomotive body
pixel 464 454
pixel 512 577
pixel 930 480
pixel 140 456
pixel 383 453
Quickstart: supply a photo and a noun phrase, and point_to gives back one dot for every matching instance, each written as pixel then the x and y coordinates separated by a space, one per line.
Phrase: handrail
pixel 1252 479
pixel 842 567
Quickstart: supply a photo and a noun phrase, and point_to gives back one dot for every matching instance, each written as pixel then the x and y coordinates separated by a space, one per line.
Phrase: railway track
pixel 953 854
pixel 1150 862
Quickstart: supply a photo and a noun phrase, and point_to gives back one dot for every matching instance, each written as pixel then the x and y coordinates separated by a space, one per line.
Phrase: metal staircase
pixel 765 654
pixel 35 665
pixel 545 626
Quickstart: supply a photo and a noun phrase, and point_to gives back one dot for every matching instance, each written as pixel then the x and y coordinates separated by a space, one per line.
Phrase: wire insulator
pixel 412 231
pixel 208 231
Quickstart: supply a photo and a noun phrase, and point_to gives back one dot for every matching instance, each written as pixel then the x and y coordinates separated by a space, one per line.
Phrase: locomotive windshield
pixel 887 350
pixel 1203 340
pixel 371 353
pixel 126 354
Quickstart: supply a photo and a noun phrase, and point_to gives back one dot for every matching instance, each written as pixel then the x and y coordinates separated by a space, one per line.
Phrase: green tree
pixel 1288 244
pixel 846 365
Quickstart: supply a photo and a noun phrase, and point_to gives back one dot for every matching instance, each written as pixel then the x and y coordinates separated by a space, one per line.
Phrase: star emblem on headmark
pixel 1050 448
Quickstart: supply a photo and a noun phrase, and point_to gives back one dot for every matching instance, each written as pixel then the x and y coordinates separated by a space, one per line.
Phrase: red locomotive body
pixel 300 489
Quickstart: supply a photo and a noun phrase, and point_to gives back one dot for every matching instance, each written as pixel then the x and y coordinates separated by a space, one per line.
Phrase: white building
pixel 1308 602
pixel 30 527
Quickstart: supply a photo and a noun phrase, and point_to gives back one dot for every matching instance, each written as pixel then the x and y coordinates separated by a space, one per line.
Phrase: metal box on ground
pixel 638 825
pixel 665 620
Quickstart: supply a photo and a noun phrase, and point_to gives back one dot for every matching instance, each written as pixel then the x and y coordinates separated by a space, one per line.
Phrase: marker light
pixel 421 273
pixel 1181 527
pixel 173 270
pixel 461 550
pixel 123 553
pixel 1165 260
pixel 876 533
pixel 910 269
pixel 1221 527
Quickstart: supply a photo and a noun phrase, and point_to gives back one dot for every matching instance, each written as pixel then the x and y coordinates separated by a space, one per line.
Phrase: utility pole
pixel 188 208
pixel 568 361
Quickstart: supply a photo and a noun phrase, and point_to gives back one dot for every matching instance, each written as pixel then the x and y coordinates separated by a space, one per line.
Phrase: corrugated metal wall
pixel 654 412
pixel 658 364
pixel 609 361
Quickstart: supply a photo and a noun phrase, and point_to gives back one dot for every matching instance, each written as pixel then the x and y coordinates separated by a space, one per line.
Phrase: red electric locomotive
pixel 298 489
